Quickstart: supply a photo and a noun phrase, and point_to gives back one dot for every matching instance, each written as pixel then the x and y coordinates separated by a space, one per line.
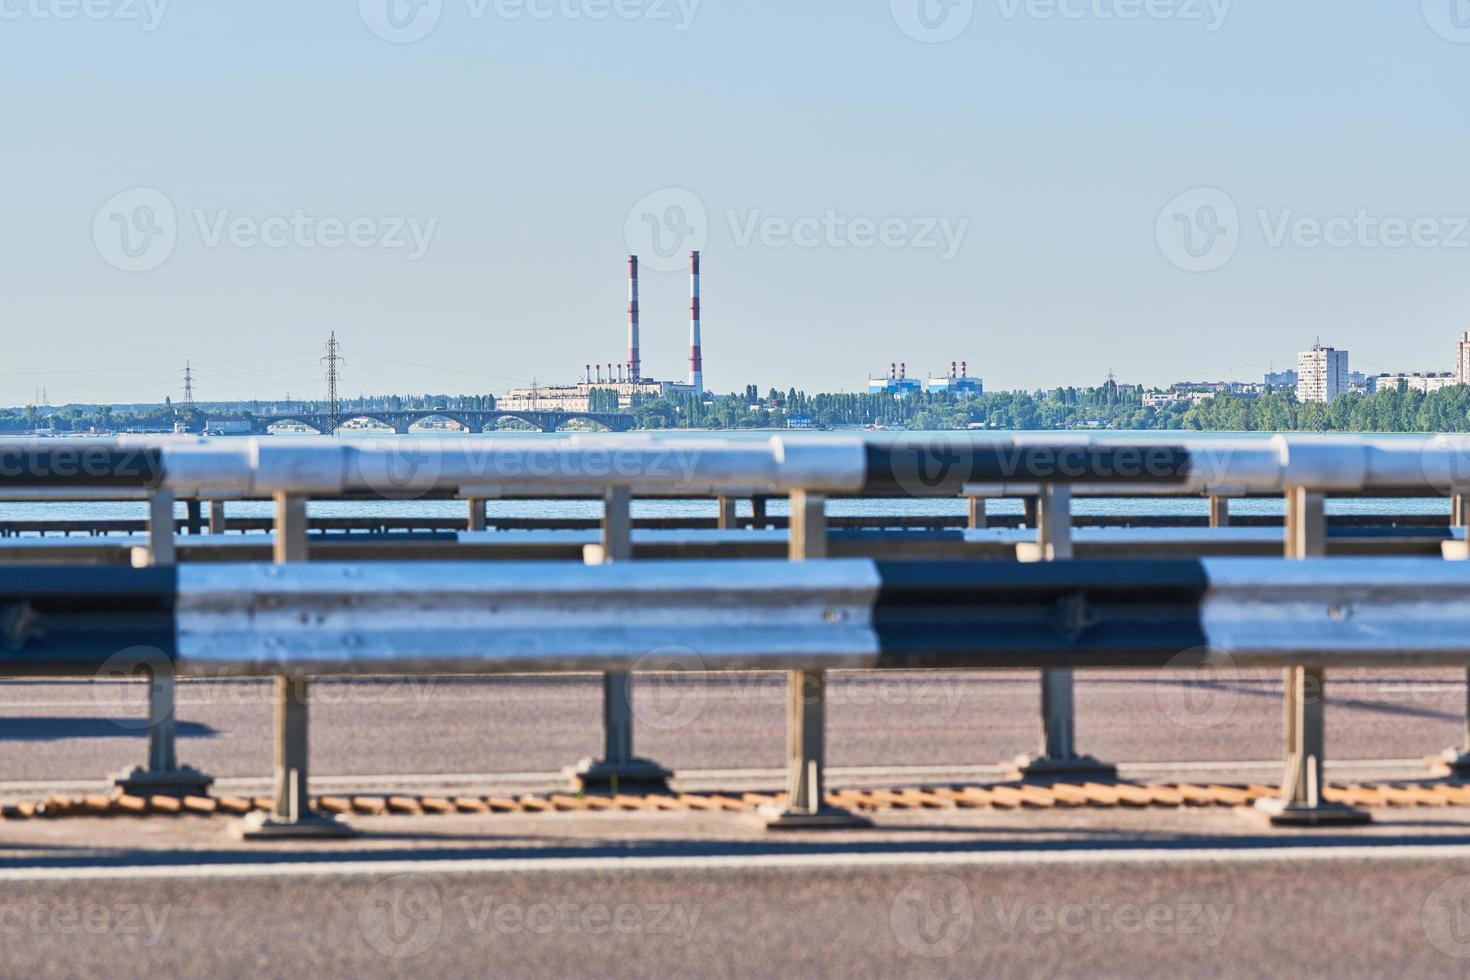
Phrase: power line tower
pixel 188 384
pixel 331 361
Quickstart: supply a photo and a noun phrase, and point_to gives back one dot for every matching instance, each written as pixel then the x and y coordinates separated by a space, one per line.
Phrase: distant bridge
pixel 472 419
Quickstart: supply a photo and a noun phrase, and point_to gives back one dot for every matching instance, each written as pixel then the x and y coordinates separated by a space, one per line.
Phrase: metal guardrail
pixel 939 465
pixel 1047 469
pixel 410 524
pixel 324 619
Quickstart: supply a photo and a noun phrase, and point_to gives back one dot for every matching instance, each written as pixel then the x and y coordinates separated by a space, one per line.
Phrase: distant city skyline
pixel 1044 190
pixel 1323 369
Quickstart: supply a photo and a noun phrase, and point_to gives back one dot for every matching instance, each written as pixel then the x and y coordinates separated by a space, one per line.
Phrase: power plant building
pixel 625 379
pixel 898 384
pixel 958 383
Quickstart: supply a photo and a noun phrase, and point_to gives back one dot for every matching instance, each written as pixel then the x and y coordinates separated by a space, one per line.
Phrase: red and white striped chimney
pixel 696 358
pixel 635 365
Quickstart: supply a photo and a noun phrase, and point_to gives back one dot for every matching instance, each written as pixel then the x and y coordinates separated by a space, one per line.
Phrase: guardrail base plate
pixel 1027 768
pixel 184 781
pixel 634 777
pixel 316 826
pixel 1282 813
pixel 1453 763
pixel 774 817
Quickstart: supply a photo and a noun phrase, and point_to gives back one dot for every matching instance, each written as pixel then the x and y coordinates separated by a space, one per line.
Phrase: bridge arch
pixel 305 420
pixel 602 424
pixel 383 420
pixel 529 418
pixel 411 419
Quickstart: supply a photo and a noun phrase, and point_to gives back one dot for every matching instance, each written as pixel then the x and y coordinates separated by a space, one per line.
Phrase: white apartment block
pixel 1322 374
pixel 1427 383
pixel 1462 360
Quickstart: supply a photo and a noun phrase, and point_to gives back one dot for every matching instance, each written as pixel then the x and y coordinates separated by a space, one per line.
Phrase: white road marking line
pixel 747 862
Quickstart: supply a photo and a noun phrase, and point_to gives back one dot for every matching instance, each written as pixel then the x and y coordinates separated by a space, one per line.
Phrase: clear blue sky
pixel 519 144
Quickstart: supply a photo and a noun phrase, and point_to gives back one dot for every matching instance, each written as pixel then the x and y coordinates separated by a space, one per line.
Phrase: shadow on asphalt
pixel 50 729
pixel 1120 841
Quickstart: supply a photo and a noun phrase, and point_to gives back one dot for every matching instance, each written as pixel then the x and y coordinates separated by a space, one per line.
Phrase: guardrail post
pixel 1058 758
pixel 216 517
pixel 162 776
pixel 979 520
pixel 1301 802
pixel 1219 512
pixel 758 513
pixel 477 514
pixel 291 815
pixel 728 520
pixel 619 770
pixel 1031 511
pixel 806 704
pixel 1455 762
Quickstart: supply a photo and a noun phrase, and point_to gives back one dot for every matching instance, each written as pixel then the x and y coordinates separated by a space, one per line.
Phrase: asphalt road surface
pixel 965 895
pixel 953 893
pixel 83 730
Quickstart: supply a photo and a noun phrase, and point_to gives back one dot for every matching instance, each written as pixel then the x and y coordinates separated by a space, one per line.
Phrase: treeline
pixel 1105 407
pixel 98 418
pixel 105 418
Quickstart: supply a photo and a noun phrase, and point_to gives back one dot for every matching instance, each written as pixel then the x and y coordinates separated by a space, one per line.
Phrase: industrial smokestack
pixel 696 358
pixel 952 369
pixel 903 370
pixel 588 375
pixel 964 369
pixel 635 365
pixel 892 370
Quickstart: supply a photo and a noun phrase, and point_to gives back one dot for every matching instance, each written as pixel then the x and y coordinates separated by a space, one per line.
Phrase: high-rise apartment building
pixel 1462 360
pixel 1322 374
